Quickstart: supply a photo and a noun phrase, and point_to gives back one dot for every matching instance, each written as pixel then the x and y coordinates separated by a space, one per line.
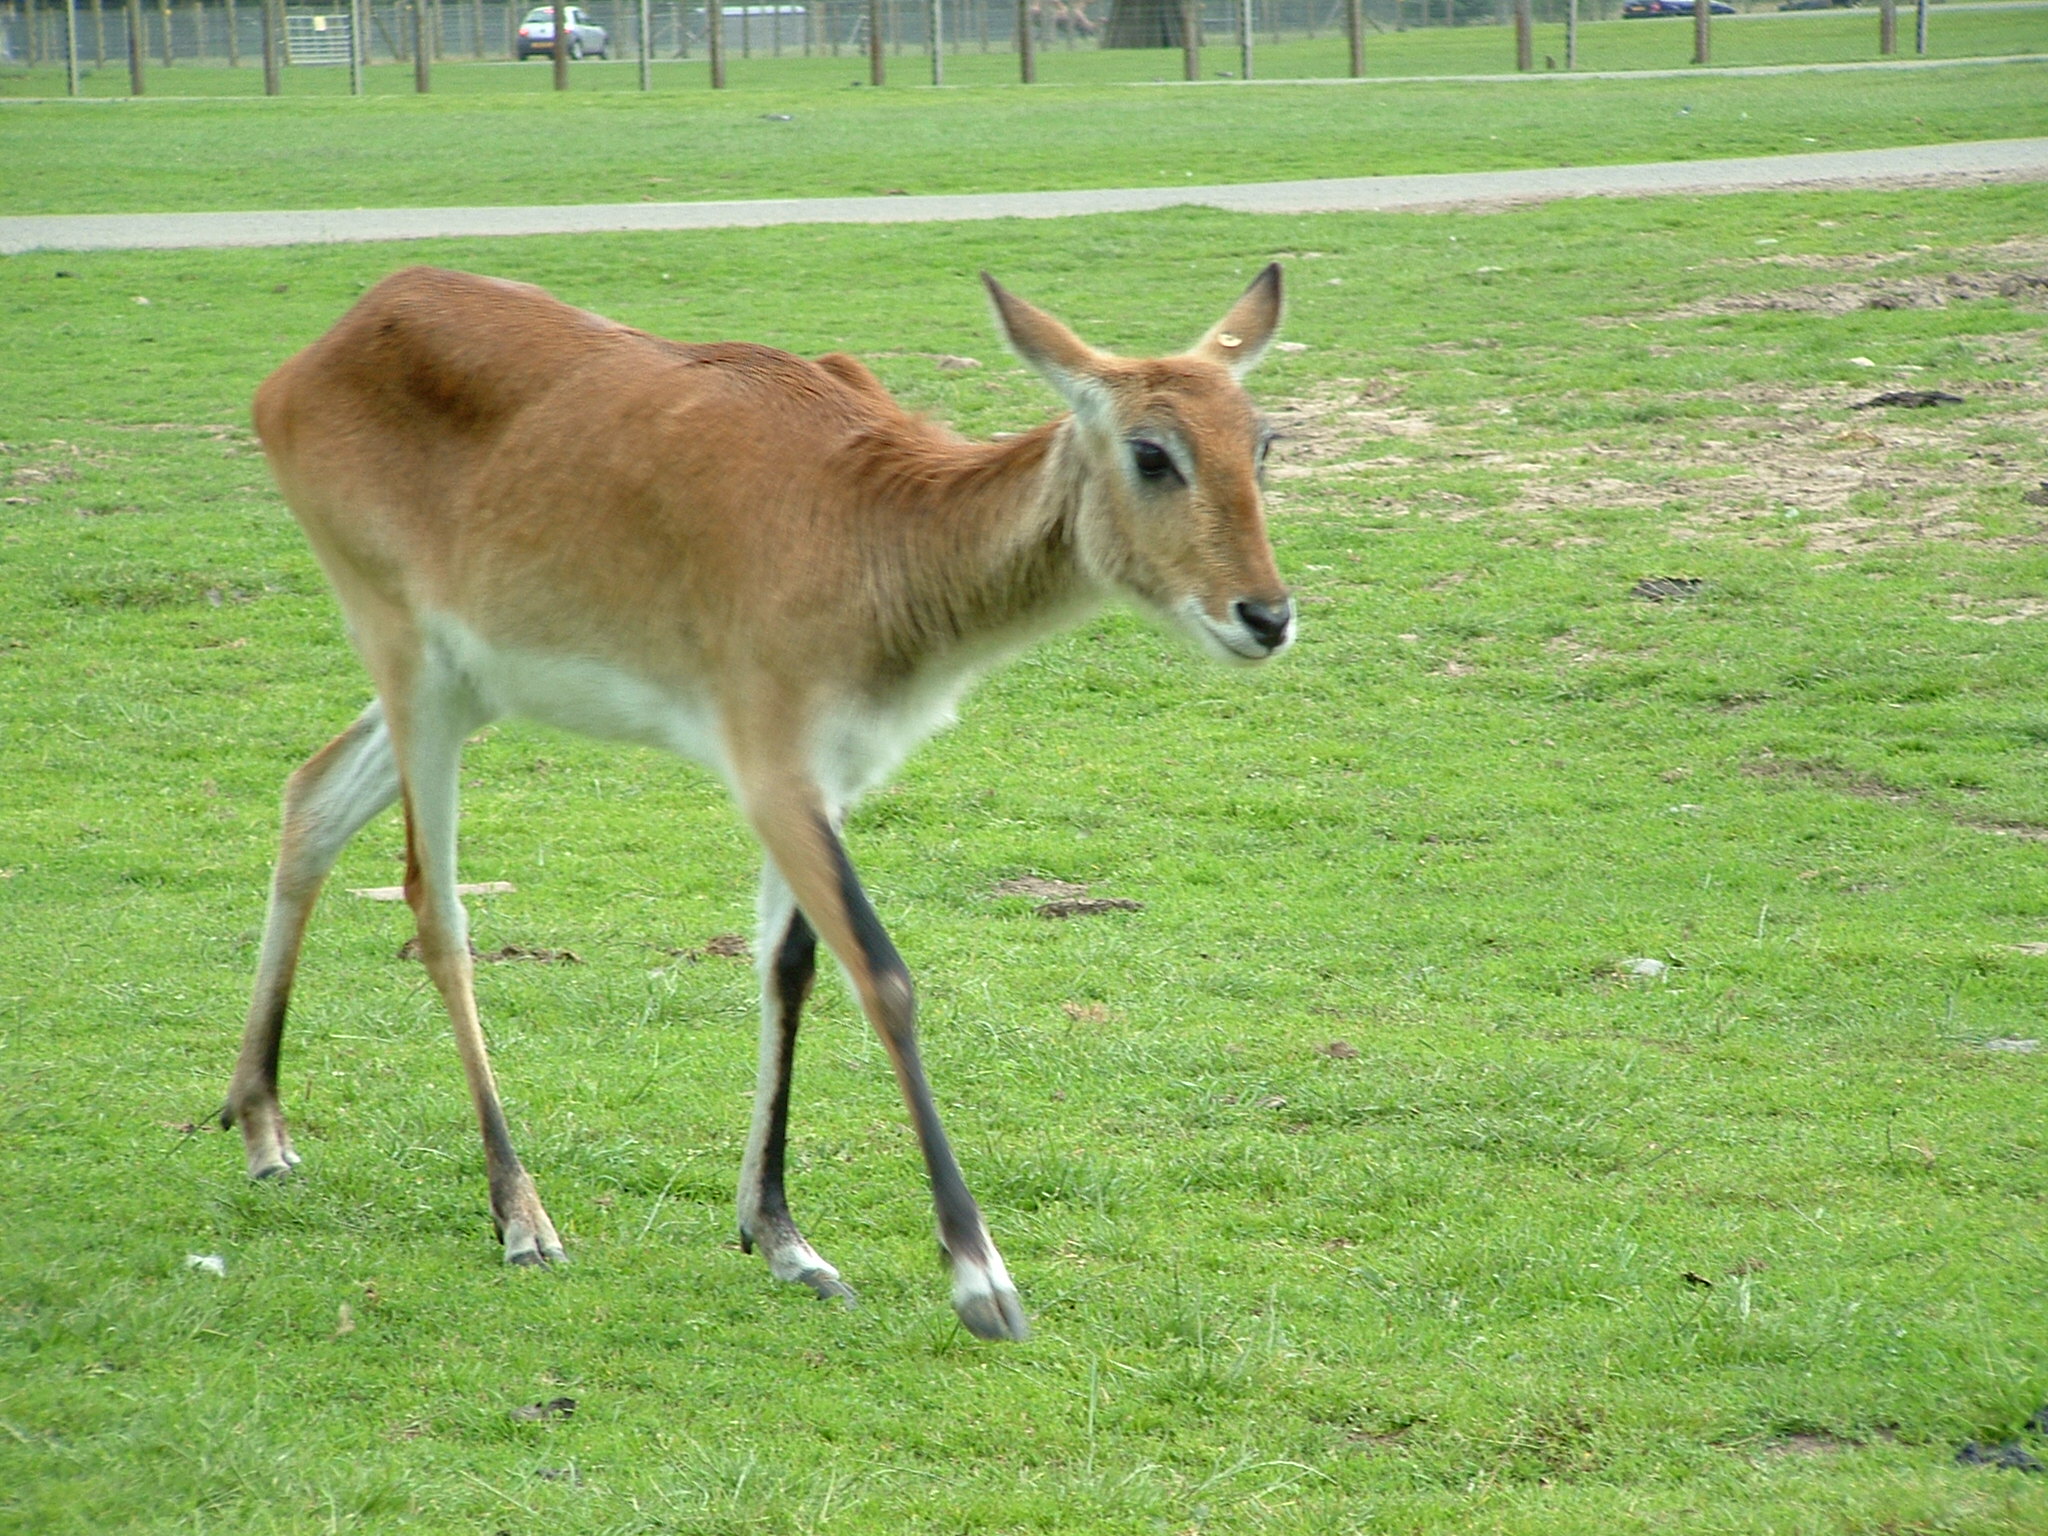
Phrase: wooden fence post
pixel 1702 32
pixel 1027 45
pixel 1244 39
pixel 1571 34
pixel 937 29
pixel 1354 21
pixel 357 10
pixel 135 81
pixel 714 41
pixel 273 84
pixel 1920 26
pixel 561 48
pixel 1888 27
pixel 1191 39
pixel 878 66
pixel 71 47
pixel 422 54
pixel 1525 37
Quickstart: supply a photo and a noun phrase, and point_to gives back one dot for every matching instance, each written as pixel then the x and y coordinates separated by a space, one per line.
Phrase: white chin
pixel 1231 644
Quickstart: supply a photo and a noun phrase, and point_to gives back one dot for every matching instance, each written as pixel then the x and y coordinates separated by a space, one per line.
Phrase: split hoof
pixel 829 1287
pixel 530 1237
pixel 994 1314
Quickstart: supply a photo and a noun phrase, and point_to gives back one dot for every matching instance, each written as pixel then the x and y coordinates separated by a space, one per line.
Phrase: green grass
pixel 1436 1285
pixel 678 146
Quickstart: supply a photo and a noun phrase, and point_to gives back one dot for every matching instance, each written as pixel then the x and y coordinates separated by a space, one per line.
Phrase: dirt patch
pixel 1088 906
pixel 1997 611
pixel 1830 776
pixel 1938 290
pixel 1807 477
pixel 720 946
pixel 1038 888
pixel 1327 432
pixel 532 952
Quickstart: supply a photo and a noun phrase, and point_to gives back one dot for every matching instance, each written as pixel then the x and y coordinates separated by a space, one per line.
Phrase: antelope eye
pixel 1151 461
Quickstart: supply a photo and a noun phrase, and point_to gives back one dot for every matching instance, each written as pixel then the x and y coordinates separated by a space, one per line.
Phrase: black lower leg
pixel 959 1219
pixel 790 977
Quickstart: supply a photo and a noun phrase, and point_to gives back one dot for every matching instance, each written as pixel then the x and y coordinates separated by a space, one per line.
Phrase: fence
pixel 230 31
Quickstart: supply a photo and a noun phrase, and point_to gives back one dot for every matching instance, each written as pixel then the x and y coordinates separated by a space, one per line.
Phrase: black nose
pixel 1267 621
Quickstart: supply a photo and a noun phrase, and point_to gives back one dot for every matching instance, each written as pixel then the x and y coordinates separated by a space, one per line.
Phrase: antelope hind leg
pixel 326 802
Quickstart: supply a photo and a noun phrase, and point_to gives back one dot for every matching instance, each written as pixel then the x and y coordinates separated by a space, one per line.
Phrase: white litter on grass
pixel 1644 966
pixel 397 892
pixel 2017 1047
pixel 212 1263
pixel 1863 362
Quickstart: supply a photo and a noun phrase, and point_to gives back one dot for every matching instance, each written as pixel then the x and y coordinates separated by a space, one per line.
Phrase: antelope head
pixel 1173 453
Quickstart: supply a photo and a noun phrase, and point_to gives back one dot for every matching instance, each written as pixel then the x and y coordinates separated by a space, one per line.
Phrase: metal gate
pixel 318 39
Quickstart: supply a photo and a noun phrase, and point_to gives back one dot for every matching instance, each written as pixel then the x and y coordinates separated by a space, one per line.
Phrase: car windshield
pixel 545 15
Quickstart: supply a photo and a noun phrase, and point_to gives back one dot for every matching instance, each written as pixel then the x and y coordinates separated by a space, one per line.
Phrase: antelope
pixel 755 560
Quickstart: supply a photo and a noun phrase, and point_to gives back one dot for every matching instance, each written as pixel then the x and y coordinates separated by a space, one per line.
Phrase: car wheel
pixel 575 49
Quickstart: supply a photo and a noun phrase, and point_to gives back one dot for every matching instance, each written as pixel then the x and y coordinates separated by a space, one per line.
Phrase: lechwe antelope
pixel 757 561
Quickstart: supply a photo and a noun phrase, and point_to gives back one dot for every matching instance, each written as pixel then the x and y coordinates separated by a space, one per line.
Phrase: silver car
pixel 537 35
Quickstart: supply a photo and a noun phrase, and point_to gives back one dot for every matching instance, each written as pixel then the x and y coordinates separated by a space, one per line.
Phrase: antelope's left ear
pixel 1240 338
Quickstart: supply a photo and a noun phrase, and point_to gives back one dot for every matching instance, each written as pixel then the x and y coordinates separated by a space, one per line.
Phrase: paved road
pixel 1689 72
pixel 2003 159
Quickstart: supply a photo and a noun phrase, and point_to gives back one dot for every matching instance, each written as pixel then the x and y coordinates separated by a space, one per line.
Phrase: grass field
pixel 1360 1182
pixel 452 149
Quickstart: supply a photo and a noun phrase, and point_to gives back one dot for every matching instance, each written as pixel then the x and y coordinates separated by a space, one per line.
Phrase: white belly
pixel 592 698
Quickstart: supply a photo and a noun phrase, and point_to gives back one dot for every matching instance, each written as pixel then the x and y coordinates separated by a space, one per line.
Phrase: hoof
pixel 530 1237
pixel 275 1161
pixel 993 1315
pixel 829 1287
pixel 794 1261
pixel 983 1296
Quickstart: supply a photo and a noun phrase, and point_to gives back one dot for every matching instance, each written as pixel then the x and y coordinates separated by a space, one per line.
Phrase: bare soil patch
pixel 1038 888
pixel 1891 291
pixel 1332 428
pixel 1088 906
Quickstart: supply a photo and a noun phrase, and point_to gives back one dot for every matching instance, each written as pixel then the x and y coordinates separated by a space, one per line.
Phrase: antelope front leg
pixel 805 848
pixel 789 954
pixel 429 747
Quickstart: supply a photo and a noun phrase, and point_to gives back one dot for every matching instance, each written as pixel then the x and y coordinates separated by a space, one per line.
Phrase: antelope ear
pixel 1062 359
pixel 1240 338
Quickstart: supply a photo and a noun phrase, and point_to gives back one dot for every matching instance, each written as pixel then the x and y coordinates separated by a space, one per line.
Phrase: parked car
pixel 1674 8
pixel 537 35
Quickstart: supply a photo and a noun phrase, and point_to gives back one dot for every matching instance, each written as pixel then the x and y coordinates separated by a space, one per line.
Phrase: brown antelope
pixel 755 560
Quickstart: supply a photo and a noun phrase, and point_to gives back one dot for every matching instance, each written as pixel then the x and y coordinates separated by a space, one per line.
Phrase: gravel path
pixel 1932 164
